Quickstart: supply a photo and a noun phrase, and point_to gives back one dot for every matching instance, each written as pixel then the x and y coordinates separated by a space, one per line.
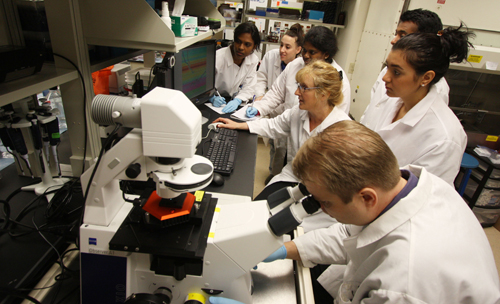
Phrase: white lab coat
pixel 428 248
pixel 232 80
pixel 281 96
pixel 269 70
pixel 294 123
pixel 429 135
pixel 379 92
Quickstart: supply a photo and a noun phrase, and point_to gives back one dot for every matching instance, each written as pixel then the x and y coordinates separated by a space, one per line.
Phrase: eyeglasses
pixel 302 88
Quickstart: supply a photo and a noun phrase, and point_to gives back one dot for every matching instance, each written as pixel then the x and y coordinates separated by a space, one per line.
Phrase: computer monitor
pixel 193 72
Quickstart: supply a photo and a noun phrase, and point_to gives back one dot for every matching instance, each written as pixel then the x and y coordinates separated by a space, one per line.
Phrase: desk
pixel 241 180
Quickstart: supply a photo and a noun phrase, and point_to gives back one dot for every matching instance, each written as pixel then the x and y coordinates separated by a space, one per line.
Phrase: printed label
pixel 492 138
pixel 199 195
pixel 474 58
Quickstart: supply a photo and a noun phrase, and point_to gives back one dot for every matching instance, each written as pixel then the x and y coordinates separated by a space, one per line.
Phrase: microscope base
pixel 45 186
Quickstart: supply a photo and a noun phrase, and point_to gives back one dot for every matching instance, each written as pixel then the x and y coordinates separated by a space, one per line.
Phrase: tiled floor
pixel 261 167
pixel 262 171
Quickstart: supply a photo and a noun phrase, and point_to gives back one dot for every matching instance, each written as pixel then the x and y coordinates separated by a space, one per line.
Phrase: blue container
pixel 316 15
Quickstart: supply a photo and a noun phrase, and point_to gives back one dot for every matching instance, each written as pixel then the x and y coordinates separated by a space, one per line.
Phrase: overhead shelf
pixel 48 77
pixel 295 20
pixel 134 24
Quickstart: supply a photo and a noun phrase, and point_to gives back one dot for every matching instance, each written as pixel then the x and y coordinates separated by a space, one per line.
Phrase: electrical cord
pixel 84 108
pixel 103 148
pixel 208 133
pixel 18 294
pixel 61 198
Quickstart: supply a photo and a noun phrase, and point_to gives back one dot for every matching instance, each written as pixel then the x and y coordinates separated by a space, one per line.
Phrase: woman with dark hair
pixel 320 43
pixel 419 127
pixel 271 66
pixel 235 68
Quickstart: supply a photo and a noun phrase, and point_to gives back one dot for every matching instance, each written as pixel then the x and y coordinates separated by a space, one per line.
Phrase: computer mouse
pixel 217 180
pixel 213 126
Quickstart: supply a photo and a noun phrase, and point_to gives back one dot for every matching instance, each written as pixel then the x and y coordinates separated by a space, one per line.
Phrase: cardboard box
pixel 184 26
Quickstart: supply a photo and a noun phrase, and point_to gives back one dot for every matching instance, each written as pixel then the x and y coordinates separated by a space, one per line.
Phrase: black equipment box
pixel 330 9
pixel 17 62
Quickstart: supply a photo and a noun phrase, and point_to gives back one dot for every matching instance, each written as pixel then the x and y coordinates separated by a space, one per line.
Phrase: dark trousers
pixel 320 294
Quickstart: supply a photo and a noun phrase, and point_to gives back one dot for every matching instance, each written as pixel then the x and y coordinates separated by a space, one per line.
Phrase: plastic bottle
pixel 55 99
pixel 165 16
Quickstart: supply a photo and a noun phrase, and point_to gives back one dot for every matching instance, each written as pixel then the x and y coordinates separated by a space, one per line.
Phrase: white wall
pixel 349 37
pixel 380 25
pixel 479 14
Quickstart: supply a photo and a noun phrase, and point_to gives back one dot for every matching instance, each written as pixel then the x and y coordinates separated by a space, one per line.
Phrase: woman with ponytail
pixel 419 127
pixel 275 61
pixel 271 66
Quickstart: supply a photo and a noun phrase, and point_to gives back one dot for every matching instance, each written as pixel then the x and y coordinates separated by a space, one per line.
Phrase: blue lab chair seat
pixel 469 162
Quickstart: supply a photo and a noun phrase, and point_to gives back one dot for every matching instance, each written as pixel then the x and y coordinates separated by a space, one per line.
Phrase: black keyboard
pixel 222 150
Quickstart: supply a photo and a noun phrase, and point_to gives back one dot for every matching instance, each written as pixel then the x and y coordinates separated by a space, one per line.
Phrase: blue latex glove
pixel 221 300
pixel 232 105
pixel 279 254
pixel 217 101
pixel 251 112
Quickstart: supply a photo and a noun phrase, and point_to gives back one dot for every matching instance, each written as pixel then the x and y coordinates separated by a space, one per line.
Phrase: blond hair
pixel 326 77
pixel 345 158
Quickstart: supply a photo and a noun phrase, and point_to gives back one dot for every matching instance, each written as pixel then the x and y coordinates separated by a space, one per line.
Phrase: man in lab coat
pixel 404 235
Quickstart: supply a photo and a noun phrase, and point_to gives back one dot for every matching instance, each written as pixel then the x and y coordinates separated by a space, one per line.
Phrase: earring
pixel 423 84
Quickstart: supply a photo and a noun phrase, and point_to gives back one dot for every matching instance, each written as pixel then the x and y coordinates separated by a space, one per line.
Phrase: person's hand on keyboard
pixel 230 124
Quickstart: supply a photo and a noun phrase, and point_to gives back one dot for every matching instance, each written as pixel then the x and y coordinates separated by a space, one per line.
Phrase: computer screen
pixel 194 70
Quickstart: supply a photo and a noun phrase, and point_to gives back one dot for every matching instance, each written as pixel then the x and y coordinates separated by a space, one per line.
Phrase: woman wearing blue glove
pixel 319 89
pixel 236 68
pixel 222 300
pixel 320 43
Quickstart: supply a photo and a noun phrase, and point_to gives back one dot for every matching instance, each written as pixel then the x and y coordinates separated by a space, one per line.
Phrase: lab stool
pixel 469 162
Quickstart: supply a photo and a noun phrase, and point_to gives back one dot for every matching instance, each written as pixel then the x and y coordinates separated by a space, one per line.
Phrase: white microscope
pixel 171 244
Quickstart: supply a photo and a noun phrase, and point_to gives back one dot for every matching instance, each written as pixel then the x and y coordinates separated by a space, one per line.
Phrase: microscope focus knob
pixel 133 170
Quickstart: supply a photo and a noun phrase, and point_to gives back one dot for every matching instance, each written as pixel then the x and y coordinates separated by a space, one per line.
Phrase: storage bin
pixel 487 216
pixel 272 12
pixel 315 15
pixel 493 181
pixel 489 197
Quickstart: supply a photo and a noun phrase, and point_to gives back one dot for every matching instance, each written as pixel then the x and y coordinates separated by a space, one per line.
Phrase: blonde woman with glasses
pixel 319 89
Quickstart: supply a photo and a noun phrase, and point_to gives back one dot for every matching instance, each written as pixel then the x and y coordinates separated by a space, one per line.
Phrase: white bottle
pixel 55 99
pixel 165 16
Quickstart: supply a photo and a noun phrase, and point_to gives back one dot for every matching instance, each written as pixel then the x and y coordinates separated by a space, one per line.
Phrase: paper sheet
pixel 215 109
pixel 178 8
pixel 241 114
